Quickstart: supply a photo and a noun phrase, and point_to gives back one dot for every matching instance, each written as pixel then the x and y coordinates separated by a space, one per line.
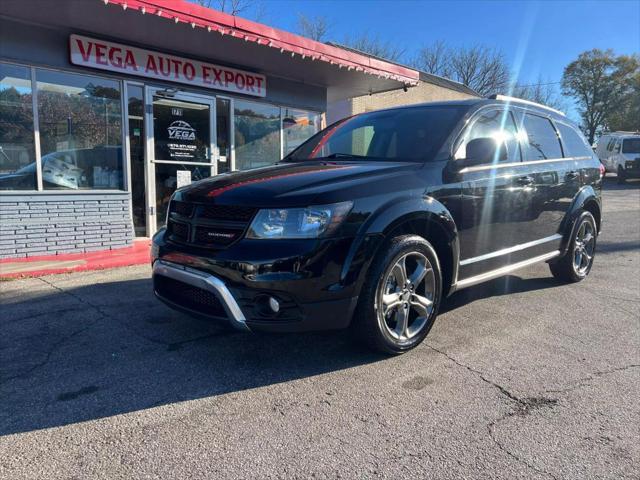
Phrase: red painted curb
pixel 138 254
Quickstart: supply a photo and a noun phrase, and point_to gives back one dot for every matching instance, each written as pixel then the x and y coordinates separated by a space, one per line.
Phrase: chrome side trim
pixel 493 166
pixel 504 270
pixel 515 248
pixel 206 282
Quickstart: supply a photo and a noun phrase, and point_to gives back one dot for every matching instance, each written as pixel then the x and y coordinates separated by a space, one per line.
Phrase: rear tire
pixel 576 263
pixel 399 301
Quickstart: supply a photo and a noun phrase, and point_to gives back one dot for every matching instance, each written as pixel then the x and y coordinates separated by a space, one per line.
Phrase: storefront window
pixel 17 153
pixel 257 134
pixel 80 119
pixel 298 126
pixel 135 105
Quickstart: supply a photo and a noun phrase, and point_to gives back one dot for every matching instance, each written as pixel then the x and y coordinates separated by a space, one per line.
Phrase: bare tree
pixel 315 28
pixel 479 67
pixel 543 91
pixel 433 59
pixel 373 45
pixel 232 7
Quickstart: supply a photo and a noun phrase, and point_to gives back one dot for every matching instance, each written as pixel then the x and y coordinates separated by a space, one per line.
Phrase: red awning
pixel 220 23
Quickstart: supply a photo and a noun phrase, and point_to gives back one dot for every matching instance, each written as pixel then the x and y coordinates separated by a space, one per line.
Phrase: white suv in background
pixel 619 152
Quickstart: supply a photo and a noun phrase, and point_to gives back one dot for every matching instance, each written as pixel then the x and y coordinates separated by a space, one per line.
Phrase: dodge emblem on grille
pixel 220 235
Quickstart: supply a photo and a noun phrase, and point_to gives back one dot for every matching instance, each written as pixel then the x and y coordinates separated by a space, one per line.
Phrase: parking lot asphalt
pixel 522 377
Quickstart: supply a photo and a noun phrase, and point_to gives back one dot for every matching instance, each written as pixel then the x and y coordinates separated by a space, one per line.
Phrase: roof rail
pixel 621 132
pixel 506 98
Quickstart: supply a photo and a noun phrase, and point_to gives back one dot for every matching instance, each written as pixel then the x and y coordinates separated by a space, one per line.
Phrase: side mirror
pixel 484 150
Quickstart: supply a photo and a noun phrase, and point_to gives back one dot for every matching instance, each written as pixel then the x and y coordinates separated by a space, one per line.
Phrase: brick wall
pixel 50 224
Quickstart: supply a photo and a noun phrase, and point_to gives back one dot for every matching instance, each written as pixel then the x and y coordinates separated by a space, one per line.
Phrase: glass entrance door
pixel 181 146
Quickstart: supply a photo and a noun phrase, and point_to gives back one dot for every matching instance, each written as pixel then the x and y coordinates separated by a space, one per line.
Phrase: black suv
pixel 373 220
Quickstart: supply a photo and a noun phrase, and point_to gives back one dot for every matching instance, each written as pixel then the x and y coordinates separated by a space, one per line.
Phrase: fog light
pixel 266 305
pixel 274 305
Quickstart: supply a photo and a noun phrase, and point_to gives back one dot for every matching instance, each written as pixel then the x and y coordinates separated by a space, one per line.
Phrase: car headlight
pixel 310 222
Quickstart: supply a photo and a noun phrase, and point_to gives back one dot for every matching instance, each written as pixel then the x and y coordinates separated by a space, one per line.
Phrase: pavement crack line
pixel 490 429
pixel 524 406
pixel 64 339
pixel 502 390
pixel 105 315
pixel 584 382
pixel 49 354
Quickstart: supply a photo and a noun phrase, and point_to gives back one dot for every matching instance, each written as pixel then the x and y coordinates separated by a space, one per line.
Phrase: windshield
pixel 412 134
pixel 631 145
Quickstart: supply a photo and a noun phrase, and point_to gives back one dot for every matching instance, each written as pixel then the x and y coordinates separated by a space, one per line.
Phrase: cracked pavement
pixel 520 378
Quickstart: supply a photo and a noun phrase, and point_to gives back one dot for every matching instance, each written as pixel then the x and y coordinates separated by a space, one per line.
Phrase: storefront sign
pixel 89 52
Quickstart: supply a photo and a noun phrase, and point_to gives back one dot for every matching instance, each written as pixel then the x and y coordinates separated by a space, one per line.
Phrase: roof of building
pixel 422 76
pixel 180 11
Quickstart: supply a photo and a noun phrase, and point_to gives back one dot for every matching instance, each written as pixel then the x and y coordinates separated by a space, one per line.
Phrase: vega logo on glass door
pixel 181 130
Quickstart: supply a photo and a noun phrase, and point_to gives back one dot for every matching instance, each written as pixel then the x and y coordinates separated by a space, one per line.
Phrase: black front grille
pixel 190 297
pixel 178 231
pixel 226 212
pixel 207 226
pixel 183 209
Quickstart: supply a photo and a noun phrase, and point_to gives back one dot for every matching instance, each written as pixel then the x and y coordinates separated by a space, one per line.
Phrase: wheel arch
pixel 425 217
pixel 587 199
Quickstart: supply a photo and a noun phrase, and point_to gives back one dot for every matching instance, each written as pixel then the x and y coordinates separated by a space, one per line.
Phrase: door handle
pixel 572 175
pixel 526 180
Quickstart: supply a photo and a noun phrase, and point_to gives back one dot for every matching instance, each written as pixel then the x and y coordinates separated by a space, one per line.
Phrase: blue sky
pixel 538 38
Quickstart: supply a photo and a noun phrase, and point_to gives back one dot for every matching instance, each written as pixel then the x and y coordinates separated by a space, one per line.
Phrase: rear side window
pixel 497 124
pixel 573 142
pixel 543 141
pixel 631 145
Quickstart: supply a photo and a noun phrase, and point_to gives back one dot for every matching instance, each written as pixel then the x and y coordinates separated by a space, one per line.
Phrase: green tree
pixel 627 115
pixel 600 83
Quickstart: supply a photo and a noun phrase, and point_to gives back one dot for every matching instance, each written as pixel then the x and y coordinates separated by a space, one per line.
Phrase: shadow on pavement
pixel 611 183
pixel 102 350
pixel 499 286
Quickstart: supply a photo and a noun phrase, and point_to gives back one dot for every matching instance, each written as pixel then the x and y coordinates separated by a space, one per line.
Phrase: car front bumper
pixel 308 279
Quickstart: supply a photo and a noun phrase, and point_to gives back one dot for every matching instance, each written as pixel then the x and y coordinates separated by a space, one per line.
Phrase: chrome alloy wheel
pixel 585 245
pixel 405 301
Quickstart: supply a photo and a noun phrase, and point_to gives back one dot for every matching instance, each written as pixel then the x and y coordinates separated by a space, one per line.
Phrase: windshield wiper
pixel 345 155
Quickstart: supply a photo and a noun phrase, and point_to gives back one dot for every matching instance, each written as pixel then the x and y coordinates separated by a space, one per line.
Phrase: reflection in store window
pixel 80 119
pixel 17 155
pixel 257 134
pixel 298 126
pixel 168 176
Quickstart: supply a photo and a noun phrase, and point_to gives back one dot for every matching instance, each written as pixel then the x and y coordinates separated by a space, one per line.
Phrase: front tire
pixel 401 296
pixel 576 264
pixel 622 178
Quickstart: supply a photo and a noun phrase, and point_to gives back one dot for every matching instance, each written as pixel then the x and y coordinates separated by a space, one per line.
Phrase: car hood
pixel 302 183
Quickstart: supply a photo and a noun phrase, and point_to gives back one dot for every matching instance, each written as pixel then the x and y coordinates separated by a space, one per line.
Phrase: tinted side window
pixel 616 146
pixel 496 124
pixel 543 141
pixel 573 142
pixel 631 145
